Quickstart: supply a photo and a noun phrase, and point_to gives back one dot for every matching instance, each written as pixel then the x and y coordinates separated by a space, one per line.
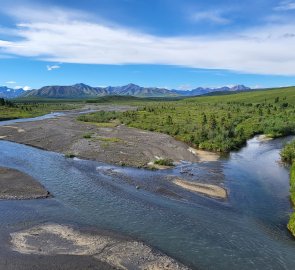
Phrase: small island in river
pixel 15 185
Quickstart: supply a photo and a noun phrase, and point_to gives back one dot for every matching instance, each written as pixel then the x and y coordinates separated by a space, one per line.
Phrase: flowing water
pixel 248 231
pixel 38 118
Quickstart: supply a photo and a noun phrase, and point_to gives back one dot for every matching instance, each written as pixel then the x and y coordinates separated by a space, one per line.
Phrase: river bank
pixel 109 143
pixel 15 185
pixel 291 223
pixel 288 156
pixel 113 144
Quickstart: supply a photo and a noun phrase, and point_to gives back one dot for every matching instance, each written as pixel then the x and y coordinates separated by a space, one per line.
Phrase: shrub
pixel 288 152
pixel 70 155
pixel 87 136
pixel 164 162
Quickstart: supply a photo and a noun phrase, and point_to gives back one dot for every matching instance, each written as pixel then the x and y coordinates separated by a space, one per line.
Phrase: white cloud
pixel 67 39
pixel 210 16
pixel 285 6
pixel 49 68
pixel 26 88
pixel 11 82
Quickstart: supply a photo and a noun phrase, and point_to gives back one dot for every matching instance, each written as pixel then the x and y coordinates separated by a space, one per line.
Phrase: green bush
pixel 288 152
pixel 216 123
pixel 87 136
pixel 164 162
pixel 291 224
pixel 70 155
pixel 99 117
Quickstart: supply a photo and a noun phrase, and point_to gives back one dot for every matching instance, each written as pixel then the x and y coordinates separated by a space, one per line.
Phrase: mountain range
pixel 203 91
pixel 85 91
pixel 6 92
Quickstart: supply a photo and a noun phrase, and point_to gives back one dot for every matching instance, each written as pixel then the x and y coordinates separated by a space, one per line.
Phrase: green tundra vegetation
pixel 16 109
pixel 130 99
pixel 217 123
pixel 164 162
pixel 288 155
pixel 288 152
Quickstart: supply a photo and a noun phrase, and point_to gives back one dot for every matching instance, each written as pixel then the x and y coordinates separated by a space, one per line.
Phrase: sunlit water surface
pixel 246 232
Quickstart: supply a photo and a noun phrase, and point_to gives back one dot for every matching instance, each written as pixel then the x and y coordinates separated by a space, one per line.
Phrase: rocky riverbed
pixel 110 143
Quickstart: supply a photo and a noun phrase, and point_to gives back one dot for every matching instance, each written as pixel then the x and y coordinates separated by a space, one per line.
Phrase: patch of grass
pixel 109 140
pixel 24 109
pixel 164 162
pixel 70 155
pixel 111 124
pixel 291 224
pixel 130 99
pixel 288 155
pixel 99 117
pixel 93 119
pixel 87 136
pixel 288 152
pixel 292 182
pixel 214 123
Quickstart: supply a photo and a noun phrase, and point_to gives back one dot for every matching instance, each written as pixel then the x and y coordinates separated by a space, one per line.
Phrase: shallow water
pixel 246 232
pixel 45 116
pixel 38 118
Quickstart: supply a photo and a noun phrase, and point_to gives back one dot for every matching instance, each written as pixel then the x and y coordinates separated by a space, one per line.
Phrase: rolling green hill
pixel 254 96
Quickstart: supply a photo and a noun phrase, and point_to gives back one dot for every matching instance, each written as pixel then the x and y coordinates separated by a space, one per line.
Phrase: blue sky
pixel 178 44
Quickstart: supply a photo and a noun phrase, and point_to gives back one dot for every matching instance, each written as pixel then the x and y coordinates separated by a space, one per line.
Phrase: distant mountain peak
pixel 132 85
pixel 81 90
pixel 239 87
pixel 6 92
pixel 206 90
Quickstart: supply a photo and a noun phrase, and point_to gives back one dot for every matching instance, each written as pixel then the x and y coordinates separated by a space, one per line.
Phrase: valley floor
pixel 109 143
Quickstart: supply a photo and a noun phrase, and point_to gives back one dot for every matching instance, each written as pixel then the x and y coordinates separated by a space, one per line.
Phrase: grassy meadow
pixel 288 156
pixel 217 123
pixel 25 109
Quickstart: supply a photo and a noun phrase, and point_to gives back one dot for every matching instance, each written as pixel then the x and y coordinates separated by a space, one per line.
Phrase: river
pixel 248 231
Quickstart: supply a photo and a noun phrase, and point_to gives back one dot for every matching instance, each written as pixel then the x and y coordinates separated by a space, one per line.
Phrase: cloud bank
pixel 70 38
pixel 26 88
